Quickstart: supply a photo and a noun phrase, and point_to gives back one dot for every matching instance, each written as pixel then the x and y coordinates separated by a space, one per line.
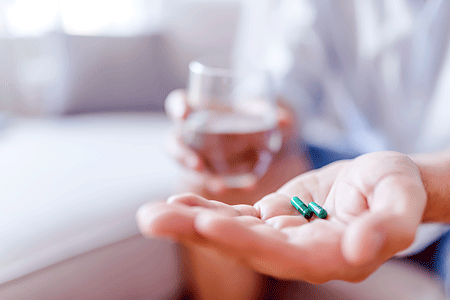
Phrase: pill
pixel 318 210
pixel 301 207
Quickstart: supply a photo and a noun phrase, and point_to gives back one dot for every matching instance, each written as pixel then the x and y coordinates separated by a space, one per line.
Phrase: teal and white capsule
pixel 301 207
pixel 318 210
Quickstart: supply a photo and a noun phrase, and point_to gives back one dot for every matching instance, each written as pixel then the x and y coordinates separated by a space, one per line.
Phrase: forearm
pixel 435 172
pixel 213 276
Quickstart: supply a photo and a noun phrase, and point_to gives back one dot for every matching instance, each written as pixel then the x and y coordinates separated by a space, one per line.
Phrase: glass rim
pixel 200 67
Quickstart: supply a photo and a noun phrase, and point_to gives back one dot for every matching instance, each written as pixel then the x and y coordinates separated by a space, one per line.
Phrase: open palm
pixel 374 202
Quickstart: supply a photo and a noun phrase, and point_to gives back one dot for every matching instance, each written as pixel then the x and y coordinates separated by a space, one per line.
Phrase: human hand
pixel 208 185
pixel 374 202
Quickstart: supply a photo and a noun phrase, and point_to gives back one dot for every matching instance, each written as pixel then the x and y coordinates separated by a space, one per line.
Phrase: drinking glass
pixel 232 125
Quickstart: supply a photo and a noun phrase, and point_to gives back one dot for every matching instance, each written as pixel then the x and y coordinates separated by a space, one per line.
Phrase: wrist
pixel 435 173
pixel 235 280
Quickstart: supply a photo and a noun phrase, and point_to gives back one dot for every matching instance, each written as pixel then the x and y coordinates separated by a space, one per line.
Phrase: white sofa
pixel 69 190
pixel 70 186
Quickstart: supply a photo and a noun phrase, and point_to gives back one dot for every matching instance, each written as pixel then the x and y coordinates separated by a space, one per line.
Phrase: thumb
pixel 176 106
pixel 376 237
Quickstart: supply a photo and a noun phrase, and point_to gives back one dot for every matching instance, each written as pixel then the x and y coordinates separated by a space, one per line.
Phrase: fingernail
pixel 176 108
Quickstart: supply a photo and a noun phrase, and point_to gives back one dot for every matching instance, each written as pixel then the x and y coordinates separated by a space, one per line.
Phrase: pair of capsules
pixel 308 210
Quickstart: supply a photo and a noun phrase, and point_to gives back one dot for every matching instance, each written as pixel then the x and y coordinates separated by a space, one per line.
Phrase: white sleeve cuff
pixel 426 234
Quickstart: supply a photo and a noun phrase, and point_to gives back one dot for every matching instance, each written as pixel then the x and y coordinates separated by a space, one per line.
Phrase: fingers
pixel 176 217
pixel 177 110
pixel 282 222
pixel 176 105
pixel 232 233
pixel 309 252
pixel 248 221
pixel 275 204
pixel 259 226
pixel 190 199
pixel 191 161
pixel 374 238
pixel 256 244
pixel 194 201
pixel 247 210
pixel 163 220
pixel 382 232
pixel 346 201
pixel 185 156
pixel 313 185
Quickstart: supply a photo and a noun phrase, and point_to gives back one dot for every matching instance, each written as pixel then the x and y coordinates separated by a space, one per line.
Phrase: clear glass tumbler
pixel 232 127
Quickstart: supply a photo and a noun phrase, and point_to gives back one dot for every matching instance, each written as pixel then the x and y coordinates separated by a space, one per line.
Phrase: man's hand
pixel 236 281
pixel 289 162
pixel 374 203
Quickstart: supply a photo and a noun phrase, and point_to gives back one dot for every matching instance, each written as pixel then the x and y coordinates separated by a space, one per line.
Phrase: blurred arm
pixel 435 172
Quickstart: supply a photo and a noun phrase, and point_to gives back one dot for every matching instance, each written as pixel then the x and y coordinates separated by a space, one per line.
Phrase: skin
pixel 435 172
pixel 232 279
pixel 288 162
pixel 374 202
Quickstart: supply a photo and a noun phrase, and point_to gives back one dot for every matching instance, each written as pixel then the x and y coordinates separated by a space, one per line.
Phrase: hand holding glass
pixel 233 131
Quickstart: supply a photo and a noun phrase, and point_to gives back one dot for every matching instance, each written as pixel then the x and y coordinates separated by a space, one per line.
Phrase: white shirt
pixel 363 75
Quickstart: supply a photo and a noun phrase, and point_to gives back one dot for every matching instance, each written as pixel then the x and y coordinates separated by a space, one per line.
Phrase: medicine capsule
pixel 301 207
pixel 318 210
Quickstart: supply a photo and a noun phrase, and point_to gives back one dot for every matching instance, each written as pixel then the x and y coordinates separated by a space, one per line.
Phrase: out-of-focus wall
pixel 58 72
pixel 119 73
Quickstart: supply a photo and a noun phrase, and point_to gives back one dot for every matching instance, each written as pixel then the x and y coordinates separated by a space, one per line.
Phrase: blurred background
pixel 66 57
pixel 82 89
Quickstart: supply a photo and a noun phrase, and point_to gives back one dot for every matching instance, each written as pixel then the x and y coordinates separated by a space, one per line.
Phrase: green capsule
pixel 318 210
pixel 301 207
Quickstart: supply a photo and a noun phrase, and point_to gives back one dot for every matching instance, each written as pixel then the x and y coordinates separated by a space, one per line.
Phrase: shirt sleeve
pixel 426 234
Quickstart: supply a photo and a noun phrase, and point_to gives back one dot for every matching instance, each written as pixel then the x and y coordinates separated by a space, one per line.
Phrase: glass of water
pixel 232 125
